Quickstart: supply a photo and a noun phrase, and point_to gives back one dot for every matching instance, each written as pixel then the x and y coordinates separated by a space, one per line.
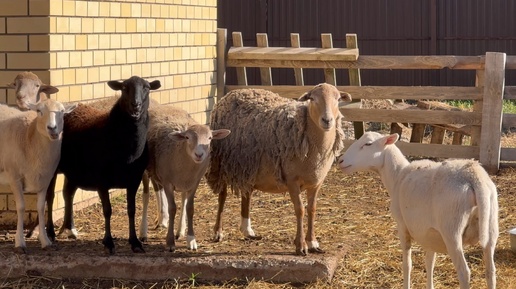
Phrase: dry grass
pixel 353 212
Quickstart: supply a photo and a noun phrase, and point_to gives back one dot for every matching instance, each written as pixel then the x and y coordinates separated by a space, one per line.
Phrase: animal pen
pixel 483 124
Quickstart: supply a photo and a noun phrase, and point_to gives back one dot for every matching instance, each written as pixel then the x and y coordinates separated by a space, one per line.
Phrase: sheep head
pixel 135 94
pixel 367 153
pixel 323 106
pixel 28 87
pixel 198 138
pixel 50 117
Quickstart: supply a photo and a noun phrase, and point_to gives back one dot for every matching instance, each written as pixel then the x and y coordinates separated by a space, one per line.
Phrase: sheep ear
pixel 155 85
pixel 344 96
pixel 70 108
pixel 391 139
pixel 32 106
pixel 220 133
pixel 177 136
pixel 48 89
pixel 115 85
pixel 306 96
pixel 11 85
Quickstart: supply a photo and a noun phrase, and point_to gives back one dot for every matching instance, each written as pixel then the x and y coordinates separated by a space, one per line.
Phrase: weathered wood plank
pixel 355 80
pixel 384 92
pixel 433 150
pixel 221 61
pixel 329 73
pixel 478 106
pixel 508 154
pixel 363 62
pixel 418 132
pixel 289 53
pixel 241 72
pixel 298 72
pixel 492 111
pixel 509 92
pixel 437 135
pixel 508 120
pixel 412 116
pixel 265 72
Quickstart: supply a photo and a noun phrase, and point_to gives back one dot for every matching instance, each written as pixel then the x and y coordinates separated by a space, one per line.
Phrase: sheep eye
pixel 37 85
pixel 368 144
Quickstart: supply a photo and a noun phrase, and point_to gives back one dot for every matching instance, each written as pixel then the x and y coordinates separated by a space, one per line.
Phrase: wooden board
pixel 289 53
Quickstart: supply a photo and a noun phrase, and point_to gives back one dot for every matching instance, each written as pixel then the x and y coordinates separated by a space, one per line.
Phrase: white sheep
pixel 440 205
pixel 30 148
pixel 28 87
pixel 276 145
pixel 179 150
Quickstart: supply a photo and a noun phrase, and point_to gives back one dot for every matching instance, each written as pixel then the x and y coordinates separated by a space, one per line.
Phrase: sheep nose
pixel 327 120
pixel 199 155
pixel 52 128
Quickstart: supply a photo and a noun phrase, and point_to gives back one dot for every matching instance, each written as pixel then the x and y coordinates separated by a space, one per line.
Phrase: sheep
pixel 104 150
pixel 28 88
pixel 440 205
pixel 30 148
pixel 179 150
pixel 276 145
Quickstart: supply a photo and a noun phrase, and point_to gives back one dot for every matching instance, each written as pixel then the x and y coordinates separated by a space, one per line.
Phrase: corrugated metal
pixel 384 27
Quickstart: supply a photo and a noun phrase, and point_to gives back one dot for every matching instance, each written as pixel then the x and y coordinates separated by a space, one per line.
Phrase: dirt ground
pixel 353 211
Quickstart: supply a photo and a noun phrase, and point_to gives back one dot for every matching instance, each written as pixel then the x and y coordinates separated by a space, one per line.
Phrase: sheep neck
pixel 321 141
pixel 393 162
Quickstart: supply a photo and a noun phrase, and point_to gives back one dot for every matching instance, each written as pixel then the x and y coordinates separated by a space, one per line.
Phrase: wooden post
pixel 298 72
pixel 437 135
pixel 329 73
pixel 354 79
pixel 221 61
pixel 477 107
pixel 492 111
pixel 265 72
pixel 418 132
pixel 241 73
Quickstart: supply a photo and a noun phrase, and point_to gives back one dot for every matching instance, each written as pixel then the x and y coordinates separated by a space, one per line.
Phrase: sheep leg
pixel 429 265
pixel 50 202
pixel 190 239
pixel 245 221
pixel 19 240
pixel 162 219
pixel 454 248
pixel 171 241
pixel 136 245
pixel 68 228
pixel 182 216
pixel 219 234
pixel 406 244
pixel 43 238
pixel 109 245
pixel 489 262
pixel 295 196
pixel 145 199
pixel 313 244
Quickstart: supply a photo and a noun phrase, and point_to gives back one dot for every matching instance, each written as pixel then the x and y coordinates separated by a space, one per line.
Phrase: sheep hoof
pixel 316 250
pixel 143 239
pixel 172 249
pixel 138 250
pixel 109 246
pixel 20 250
pixel 218 237
pixel 301 252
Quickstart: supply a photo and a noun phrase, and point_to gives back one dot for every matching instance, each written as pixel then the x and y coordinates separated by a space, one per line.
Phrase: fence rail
pixel 484 122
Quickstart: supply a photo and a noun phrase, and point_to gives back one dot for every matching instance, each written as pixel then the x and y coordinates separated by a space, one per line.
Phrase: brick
pixel 13 43
pixel 116 72
pixel 75 59
pixel 93 8
pixel 81 42
pixel 2 61
pixel 126 71
pixel 109 57
pixel 104 9
pixel 110 25
pixel 75 92
pixel 75 25
pixel 13 8
pixel 39 7
pixel 160 54
pixel 151 25
pixel 155 11
pixel 104 73
pixel 87 25
pixel 68 42
pixel 56 77
pixel 28 60
pixel 146 10
pixel 146 70
pixel 98 90
pixel 136 10
pixel 63 59
pixel 28 25
pixel 87 58
pixel 62 24
pixel 104 41
pixel 93 74
pixel 160 25
pixel 120 57
pixel 115 9
pixel 131 56
pixel 141 25
pixel 69 77
pixel 131 25
pixel 120 25
pixel 98 58
pixel 125 41
pixel 98 25
pixel 81 75
pixel 136 69
pixel 115 41
pixel 56 7
pixel 39 42
pixel 2 25
pixel 69 7
pixel 125 10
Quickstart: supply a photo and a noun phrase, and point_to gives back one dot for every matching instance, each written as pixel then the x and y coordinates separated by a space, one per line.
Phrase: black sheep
pixel 105 150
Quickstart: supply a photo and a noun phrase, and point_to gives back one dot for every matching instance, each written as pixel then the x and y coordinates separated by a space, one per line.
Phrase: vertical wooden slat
pixel 329 73
pixel 241 72
pixel 221 61
pixel 418 132
pixel 396 128
pixel 298 72
pixel 354 79
pixel 457 138
pixel 492 111
pixel 265 72
pixel 477 107
pixel 437 135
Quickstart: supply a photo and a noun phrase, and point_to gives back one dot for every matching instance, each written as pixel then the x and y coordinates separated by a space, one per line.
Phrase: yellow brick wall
pixel 78 45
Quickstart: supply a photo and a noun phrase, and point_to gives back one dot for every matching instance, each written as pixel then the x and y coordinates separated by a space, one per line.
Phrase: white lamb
pixel 30 148
pixel 440 205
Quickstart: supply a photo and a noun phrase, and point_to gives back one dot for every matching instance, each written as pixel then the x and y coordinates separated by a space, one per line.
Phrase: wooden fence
pixel 484 121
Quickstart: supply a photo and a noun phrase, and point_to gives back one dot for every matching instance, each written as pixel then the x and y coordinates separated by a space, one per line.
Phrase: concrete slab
pixel 273 268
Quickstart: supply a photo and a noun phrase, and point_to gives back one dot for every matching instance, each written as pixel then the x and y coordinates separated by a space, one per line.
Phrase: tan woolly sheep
pixel 28 87
pixel 276 145
pixel 179 150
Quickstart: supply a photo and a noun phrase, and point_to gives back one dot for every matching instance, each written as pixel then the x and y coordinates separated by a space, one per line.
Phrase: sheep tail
pixel 487 202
